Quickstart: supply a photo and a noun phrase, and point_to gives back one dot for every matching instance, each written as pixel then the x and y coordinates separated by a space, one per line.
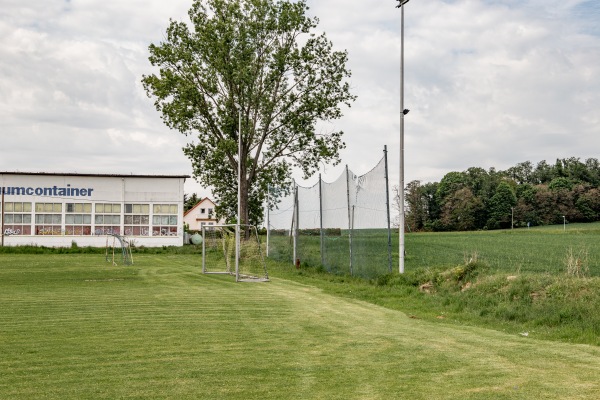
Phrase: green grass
pixel 74 327
pixel 540 249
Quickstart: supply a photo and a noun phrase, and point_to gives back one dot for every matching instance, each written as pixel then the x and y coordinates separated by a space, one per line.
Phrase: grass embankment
pixel 542 282
pixel 75 327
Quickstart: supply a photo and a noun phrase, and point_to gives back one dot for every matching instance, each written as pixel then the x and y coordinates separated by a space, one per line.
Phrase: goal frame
pixel 239 275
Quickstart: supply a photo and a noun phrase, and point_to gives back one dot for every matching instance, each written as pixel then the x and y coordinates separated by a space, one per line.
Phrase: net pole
pixel 387 206
pixel 401 188
pixel 239 196
pixel 349 216
pixel 295 227
pixel 268 221
pixel 321 219
pixel 351 234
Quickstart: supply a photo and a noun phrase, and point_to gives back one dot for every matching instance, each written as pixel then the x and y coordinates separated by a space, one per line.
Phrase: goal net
pixel 219 253
pixel 118 241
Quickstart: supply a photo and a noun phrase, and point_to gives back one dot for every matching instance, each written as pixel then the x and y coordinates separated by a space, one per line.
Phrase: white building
pixel 203 213
pixel 55 210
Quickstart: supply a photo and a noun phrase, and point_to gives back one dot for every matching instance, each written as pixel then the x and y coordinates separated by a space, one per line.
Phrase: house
pixel 203 213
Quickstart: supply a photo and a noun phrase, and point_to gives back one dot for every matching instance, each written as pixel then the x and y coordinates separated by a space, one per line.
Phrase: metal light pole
pixel 403 112
pixel 239 192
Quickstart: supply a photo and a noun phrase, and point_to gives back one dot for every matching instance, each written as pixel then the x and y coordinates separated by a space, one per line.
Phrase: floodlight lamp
pixel 405 111
pixel 401 3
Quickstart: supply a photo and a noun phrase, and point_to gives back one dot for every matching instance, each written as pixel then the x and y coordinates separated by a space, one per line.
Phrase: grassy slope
pixel 72 327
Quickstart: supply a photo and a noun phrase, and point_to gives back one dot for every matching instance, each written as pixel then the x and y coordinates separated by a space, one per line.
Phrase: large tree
pixel 258 64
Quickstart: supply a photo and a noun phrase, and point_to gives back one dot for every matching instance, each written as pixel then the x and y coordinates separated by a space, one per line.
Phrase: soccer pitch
pixel 75 327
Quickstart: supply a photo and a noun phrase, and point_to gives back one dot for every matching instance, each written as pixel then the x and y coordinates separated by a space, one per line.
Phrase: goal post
pixel 219 250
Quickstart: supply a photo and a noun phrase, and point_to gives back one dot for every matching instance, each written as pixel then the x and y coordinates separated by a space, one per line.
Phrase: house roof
pixel 197 204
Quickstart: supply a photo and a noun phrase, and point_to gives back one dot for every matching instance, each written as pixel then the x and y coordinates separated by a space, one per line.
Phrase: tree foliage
pixel 526 195
pixel 255 64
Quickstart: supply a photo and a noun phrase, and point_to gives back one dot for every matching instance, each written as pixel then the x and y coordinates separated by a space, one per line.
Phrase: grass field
pixel 74 327
pixel 540 249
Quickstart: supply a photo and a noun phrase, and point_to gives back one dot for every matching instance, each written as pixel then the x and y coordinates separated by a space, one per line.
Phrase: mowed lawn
pixel 75 327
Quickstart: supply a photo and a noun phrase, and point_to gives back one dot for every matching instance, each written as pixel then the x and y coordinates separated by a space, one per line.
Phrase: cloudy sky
pixel 488 84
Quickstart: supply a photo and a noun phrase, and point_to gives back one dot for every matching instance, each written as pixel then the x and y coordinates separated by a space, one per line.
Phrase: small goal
pixel 219 253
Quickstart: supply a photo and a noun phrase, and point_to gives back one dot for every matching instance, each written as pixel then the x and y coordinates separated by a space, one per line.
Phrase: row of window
pixel 86 208
pixel 78 219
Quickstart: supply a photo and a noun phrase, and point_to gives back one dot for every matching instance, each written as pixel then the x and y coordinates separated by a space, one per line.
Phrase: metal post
pixel 349 215
pixel 295 227
pixel 402 113
pixel 2 216
pixel 203 229
pixel 387 206
pixel 321 220
pixel 268 222
pixel 239 194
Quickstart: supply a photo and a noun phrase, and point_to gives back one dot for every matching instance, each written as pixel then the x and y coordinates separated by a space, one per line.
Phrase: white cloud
pixel 488 83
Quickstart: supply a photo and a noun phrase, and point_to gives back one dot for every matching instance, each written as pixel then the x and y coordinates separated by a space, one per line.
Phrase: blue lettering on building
pixel 51 191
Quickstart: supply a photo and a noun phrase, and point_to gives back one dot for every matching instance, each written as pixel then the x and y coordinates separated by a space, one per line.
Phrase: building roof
pixel 92 175
pixel 197 204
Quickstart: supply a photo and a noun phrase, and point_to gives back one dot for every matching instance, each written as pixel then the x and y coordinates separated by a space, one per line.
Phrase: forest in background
pixel 523 195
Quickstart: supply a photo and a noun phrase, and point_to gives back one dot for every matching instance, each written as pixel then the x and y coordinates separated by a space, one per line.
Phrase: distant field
pixel 74 327
pixel 539 249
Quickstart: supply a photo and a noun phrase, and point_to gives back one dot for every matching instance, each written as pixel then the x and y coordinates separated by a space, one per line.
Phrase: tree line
pixel 523 195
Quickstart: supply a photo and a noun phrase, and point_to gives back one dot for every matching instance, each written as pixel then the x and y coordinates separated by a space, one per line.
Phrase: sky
pixel 488 84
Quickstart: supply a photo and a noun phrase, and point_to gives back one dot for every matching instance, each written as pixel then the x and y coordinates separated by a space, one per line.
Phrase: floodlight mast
pixel 403 112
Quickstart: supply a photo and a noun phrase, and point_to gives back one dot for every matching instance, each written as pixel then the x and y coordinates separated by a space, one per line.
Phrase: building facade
pixel 202 214
pixel 58 210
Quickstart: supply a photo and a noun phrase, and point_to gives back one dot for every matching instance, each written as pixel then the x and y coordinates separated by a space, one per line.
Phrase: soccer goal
pixel 219 253
pixel 124 244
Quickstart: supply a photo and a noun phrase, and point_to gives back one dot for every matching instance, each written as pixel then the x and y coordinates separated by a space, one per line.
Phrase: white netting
pixel 343 225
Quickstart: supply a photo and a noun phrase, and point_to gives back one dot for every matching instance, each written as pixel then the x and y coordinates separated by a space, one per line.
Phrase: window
pixel 17 218
pixel 107 219
pixel 78 219
pixel 137 219
pixel 48 218
pixel 165 209
pixel 165 220
pixel 202 210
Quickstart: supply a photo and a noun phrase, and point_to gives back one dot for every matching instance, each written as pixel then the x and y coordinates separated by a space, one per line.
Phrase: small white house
pixel 202 214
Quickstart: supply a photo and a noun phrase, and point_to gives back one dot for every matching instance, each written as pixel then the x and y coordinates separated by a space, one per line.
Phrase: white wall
pixel 121 190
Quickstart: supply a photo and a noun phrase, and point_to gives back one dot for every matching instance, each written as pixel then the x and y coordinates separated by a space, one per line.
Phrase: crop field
pixel 539 249
pixel 75 327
